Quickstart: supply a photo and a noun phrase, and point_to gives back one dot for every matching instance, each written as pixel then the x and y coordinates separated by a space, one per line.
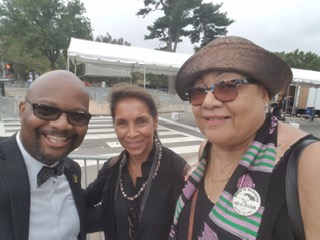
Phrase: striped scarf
pixel 253 172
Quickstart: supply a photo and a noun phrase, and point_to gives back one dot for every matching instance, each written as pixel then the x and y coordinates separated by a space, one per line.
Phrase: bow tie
pixel 46 172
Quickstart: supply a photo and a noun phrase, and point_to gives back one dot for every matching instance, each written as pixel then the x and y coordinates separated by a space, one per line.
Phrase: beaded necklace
pixel 154 173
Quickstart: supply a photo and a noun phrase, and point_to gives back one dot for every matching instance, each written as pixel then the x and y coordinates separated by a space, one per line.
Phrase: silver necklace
pixel 146 182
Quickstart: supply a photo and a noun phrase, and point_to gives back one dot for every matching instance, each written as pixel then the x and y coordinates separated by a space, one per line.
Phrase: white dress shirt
pixel 53 213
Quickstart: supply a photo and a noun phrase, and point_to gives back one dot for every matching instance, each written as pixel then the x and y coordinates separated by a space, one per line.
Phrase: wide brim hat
pixel 239 55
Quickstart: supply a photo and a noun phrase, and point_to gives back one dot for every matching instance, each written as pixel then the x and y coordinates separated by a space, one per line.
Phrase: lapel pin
pixel 75 178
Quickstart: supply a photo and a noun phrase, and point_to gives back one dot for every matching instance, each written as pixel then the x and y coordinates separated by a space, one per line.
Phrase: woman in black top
pixel 138 189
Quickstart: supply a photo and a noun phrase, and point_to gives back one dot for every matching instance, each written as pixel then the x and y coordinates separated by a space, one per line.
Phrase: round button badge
pixel 246 201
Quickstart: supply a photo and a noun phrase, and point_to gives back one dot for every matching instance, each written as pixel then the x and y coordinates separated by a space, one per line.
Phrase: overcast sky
pixel 277 25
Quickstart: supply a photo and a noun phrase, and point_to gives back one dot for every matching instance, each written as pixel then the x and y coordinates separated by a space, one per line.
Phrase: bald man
pixel 40 190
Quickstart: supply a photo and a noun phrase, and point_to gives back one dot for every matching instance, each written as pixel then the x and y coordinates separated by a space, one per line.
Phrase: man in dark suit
pixel 40 187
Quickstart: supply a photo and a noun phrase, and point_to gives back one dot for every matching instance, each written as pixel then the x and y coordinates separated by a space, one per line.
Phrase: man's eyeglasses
pixel 133 222
pixel 224 91
pixel 47 112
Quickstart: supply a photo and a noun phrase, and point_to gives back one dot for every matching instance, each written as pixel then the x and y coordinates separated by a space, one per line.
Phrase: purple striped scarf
pixel 259 158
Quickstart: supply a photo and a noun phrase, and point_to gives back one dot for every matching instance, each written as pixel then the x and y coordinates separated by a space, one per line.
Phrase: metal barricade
pixel 9 107
pixel 90 166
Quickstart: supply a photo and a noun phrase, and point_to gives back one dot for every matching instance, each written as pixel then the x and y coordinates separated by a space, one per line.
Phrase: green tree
pixel 159 82
pixel 301 60
pixel 43 26
pixel 201 22
pixel 208 23
pixel 108 39
pixel 23 61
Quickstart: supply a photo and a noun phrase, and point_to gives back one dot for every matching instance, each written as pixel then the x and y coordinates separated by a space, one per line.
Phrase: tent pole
pixel 294 105
pixel 315 99
pixel 313 109
pixel 286 107
pixel 75 67
pixel 144 76
pixel 131 74
pixel 68 63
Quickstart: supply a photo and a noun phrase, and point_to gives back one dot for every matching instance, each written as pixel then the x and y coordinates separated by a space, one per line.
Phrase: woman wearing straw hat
pixel 238 190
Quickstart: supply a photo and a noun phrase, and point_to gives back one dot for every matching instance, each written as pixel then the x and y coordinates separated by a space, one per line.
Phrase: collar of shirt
pixel 54 199
pixel 33 165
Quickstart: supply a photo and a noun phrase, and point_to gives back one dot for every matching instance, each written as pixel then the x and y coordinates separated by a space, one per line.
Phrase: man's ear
pixel 22 108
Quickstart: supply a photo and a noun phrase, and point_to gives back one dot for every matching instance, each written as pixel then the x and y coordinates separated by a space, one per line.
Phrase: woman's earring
pixel 266 108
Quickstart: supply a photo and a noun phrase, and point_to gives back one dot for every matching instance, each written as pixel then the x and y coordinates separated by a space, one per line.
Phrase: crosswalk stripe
pixel 164 140
pixel 97 130
pixel 179 124
pixel 2 131
pixel 113 135
pixel 100 136
pixel 14 124
pixel 90 163
pixel 12 129
pixel 185 149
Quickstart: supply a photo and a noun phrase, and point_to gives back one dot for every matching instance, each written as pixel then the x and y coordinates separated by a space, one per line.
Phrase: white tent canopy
pixel 104 59
pixel 306 77
pixel 112 58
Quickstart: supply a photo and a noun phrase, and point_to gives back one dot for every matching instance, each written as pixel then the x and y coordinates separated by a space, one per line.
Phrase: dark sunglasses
pixel 47 112
pixel 224 91
pixel 133 222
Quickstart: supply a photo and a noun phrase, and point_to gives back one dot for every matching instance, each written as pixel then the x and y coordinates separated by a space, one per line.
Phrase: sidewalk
pixel 312 127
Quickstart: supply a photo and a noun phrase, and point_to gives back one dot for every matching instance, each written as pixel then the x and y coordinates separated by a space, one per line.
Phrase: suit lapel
pixel 15 174
pixel 74 178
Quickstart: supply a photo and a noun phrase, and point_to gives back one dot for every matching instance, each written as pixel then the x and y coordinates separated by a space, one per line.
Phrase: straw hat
pixel 235 54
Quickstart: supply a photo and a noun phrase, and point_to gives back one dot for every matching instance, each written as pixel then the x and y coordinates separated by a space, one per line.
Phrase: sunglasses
pixel 132 218
pixel 47 112
pixel 224 91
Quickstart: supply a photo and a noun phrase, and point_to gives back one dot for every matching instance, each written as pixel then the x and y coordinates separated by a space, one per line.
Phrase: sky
pixel 276 25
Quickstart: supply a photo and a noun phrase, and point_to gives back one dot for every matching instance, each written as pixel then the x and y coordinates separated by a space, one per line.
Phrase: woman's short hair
pixel 124 90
